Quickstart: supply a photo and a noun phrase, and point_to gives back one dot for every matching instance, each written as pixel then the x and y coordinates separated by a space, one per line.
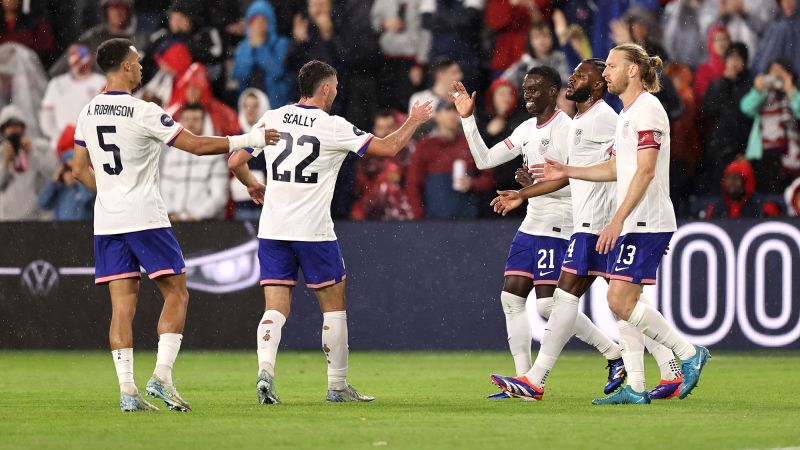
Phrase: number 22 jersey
pixel 125 136
pixel 302 169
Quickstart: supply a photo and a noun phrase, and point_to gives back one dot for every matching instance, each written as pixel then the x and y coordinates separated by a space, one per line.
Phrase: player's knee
pixel 545 306
pixel 512 303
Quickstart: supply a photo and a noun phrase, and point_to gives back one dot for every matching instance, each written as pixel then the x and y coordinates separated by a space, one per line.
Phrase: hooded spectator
pixel 259 61
pixel 252 105
pixel 194 87
pixel 26 165
pixel 173 59
pixel 780 39
pixel 739 199
pixel 24 83
pixel 717 43
pixel 20 26
pixel 747 19
pixel 67 94
pixel 68 199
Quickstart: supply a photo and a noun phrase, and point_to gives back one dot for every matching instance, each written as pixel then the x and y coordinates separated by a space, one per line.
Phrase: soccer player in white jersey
pixel 118 142
pixel 591 136
pixel 534 258
pixel 639 231
pixel 296 230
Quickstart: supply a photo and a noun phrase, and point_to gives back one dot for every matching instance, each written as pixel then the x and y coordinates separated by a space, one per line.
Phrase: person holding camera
pixel 25 165
pixel 774 142
pixel 68 199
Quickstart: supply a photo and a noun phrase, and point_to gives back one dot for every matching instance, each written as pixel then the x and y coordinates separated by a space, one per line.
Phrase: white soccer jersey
pixel 125 136
pixel 591 136
pixel 302 169
pixel 551 214
pixel 645 125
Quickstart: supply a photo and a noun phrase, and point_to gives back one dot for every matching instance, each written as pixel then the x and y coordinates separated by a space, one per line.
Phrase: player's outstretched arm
pixel 82 168
pixel 214 145
pixel 645 172
pixel 507 201
pixel 552 170
pixel 393 143
pixel 485 157
pixel 237 163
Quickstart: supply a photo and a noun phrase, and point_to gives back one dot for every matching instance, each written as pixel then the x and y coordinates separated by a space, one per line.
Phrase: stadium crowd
pixel 730 89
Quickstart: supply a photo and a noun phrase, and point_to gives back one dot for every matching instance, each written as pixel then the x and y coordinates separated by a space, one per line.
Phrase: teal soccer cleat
pixel 691 369
pixel 624 396
pixel 167 392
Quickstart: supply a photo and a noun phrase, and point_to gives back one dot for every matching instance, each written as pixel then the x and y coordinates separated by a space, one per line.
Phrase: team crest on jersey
pixel 578 134
pixel 543 146
pixel 657 136
pixel 358 132
pixel 625 127
pixel 166 120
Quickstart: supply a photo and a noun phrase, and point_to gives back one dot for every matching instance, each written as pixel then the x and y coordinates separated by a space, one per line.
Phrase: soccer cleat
pixel 518 387
pixel 666 389
pixel 167 392
pixel 691 369
pixel 624 396
pixel 131 403
pixel 266 389
pixel 499 396
pixel 348 394
pixel 616 375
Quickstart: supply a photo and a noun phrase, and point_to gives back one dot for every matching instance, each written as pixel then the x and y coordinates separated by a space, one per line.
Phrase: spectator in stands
pixel 685 25
pixel 173 59
pixel 774 103
pixel 405 47
pixel 603 13
pixel 117 20
pixel 739 199
pixel 686 148
pixel 717 43
pixel 443 181
pixel 792 198
pixel 747 19
pixel 539 53
pixel 194 87
pixel 68 199
pixel 27 164
pixel 379 188
pixel 644 29
pixel 510 20
pixel 572 39
pixel 444 72
pixel 252 105
pixel 453 26
pixel 67 94
pixel 194 187
pixel 259 60
pixel 21 27
pixel 729 127
pixel 781 39
pixel 24 82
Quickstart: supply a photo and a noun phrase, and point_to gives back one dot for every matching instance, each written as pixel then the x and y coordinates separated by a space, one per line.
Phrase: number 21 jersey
pixel 124 136
pixel 302 169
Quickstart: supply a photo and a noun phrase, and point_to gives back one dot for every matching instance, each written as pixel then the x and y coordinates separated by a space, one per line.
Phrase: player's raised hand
pixel 506 201
pixel 256 191
pixel 608 237
pixel 550 170
pixel 421 113
pixel 465 104
pixel 271 136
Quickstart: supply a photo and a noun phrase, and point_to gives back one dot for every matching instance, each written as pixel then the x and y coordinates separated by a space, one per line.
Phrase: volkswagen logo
pixel 40 278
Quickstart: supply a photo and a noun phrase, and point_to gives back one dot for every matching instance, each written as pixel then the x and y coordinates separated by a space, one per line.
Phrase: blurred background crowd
pixel 217 65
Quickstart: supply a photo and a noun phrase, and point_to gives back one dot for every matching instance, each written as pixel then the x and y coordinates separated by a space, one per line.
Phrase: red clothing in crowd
pixel 194 87
pixel 511 25
pixel 32 32
pixel 711 69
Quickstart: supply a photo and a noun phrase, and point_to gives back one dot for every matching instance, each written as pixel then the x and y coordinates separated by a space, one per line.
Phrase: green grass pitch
pixel 64 400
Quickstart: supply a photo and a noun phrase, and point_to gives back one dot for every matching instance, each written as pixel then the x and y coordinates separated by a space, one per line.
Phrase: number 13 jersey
pixel 302 169
pixel 124 136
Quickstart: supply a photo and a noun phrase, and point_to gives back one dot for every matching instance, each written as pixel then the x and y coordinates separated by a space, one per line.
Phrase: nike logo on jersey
pixel 541 274
pixel 619 269
pixel 566 261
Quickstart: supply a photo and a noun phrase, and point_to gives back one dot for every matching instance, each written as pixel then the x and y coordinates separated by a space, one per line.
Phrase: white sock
pixel 334 344
pixel 584 329
pixel 518 327
pixel 268 338
pixel 653 325
pixel 168 346
pixel 667 365
pixel 632 342
pixel 557 332
pixel 123 363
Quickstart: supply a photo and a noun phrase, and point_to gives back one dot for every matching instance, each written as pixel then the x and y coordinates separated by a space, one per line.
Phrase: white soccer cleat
pixel 131 403
pixel 266 389
pixel 348 394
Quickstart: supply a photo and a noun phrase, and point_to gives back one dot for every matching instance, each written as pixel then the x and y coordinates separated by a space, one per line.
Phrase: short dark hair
pixel 311 75
pixel 548 73
pixel 194 107
pixel 740 49
pixel 440 64
pixel 786 63
pixel 112 52
pixel 599 65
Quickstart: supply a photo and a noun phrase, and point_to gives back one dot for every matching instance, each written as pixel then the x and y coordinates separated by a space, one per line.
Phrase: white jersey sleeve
pixel 349 137
pixel 159 125
pixel 500 153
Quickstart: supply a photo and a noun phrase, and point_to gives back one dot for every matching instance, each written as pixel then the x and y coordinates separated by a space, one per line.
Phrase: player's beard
pixel 618 87
pixel 580 95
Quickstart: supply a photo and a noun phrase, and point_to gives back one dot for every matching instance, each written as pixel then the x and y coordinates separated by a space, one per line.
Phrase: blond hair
pixel 649 66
